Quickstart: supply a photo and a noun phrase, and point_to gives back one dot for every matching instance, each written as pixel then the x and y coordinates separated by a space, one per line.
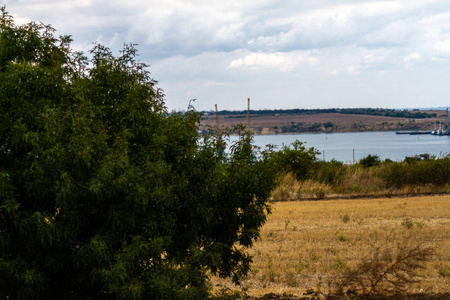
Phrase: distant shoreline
pixel 325 122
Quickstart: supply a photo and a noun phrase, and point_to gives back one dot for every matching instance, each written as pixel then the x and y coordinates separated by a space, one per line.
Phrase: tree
pixel 370 161
pixel 328 125
pixel 296 158
pixel 103 192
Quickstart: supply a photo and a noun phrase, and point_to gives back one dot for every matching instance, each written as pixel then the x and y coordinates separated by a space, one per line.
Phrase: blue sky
pixel 281 54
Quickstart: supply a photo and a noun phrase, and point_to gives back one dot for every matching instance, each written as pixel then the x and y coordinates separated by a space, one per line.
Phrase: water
pixel 340 146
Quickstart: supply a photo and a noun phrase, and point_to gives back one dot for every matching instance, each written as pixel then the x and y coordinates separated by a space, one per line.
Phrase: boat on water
pixel 439 131
pixel 414 132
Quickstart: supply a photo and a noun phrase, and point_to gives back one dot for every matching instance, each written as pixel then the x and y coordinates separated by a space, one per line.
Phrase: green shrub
pixel 345 218
pixel 331 172
pixel 431 171
pixel 444 272
pixel 370 161
pixel 342 237
pixel 296 158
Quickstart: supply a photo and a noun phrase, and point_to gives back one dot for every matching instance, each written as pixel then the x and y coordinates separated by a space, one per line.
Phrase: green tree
pixel 331 172
pixel 328 125
pixel 296 158
pixel 103 192
pixel 370 161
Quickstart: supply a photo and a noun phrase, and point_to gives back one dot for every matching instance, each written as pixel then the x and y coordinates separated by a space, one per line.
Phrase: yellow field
pixel 307 244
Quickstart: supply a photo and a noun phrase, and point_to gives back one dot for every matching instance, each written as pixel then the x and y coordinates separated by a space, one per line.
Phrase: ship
pixel 440 131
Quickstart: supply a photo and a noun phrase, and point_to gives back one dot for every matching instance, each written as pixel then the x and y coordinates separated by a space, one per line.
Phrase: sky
pixel 281 54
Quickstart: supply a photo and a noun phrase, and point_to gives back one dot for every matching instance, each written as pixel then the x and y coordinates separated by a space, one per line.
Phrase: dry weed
pixel 389 270
pixel 311 189
pixel 357 182
pixel 363 181
pixel 288 188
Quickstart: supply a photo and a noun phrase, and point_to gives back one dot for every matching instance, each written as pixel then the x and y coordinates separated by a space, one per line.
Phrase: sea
pixel 350 147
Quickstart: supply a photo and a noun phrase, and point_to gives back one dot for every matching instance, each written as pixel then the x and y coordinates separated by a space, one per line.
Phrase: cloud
pixel 328 50
pixel 443 47
pixel 280 61
pixel 190 27
pixel 180 27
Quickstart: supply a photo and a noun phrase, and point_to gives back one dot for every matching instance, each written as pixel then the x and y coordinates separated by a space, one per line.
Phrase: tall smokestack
pixel 217 120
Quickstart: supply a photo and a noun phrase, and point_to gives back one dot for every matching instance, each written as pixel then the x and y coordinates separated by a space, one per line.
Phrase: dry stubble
pixel 307 244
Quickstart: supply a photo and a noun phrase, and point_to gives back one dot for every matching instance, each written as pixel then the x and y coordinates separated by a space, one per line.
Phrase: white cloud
pixel 325 50
pixel 376 8
pixel 256 60
pixel 412 57
pixel 373 59
pixel 443 47
pixel 279 60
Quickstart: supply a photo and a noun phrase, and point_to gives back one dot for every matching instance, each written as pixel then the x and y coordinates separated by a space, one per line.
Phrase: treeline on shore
pixel 304 177
pixel 415 114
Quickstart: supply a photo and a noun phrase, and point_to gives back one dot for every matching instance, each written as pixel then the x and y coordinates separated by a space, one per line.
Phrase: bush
pixel 431 171
pixel 370 161
pixel 331 172
pixel 103 193
pixel 296 158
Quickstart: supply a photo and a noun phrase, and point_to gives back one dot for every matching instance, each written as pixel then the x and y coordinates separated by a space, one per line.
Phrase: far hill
pixel 328 120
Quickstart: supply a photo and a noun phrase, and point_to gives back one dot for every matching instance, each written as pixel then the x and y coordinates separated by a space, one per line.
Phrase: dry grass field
pixel 308 244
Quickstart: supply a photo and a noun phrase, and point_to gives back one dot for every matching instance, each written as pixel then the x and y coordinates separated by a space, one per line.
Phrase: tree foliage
pixel 296 158
pixel 370 160
pixel 103 192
